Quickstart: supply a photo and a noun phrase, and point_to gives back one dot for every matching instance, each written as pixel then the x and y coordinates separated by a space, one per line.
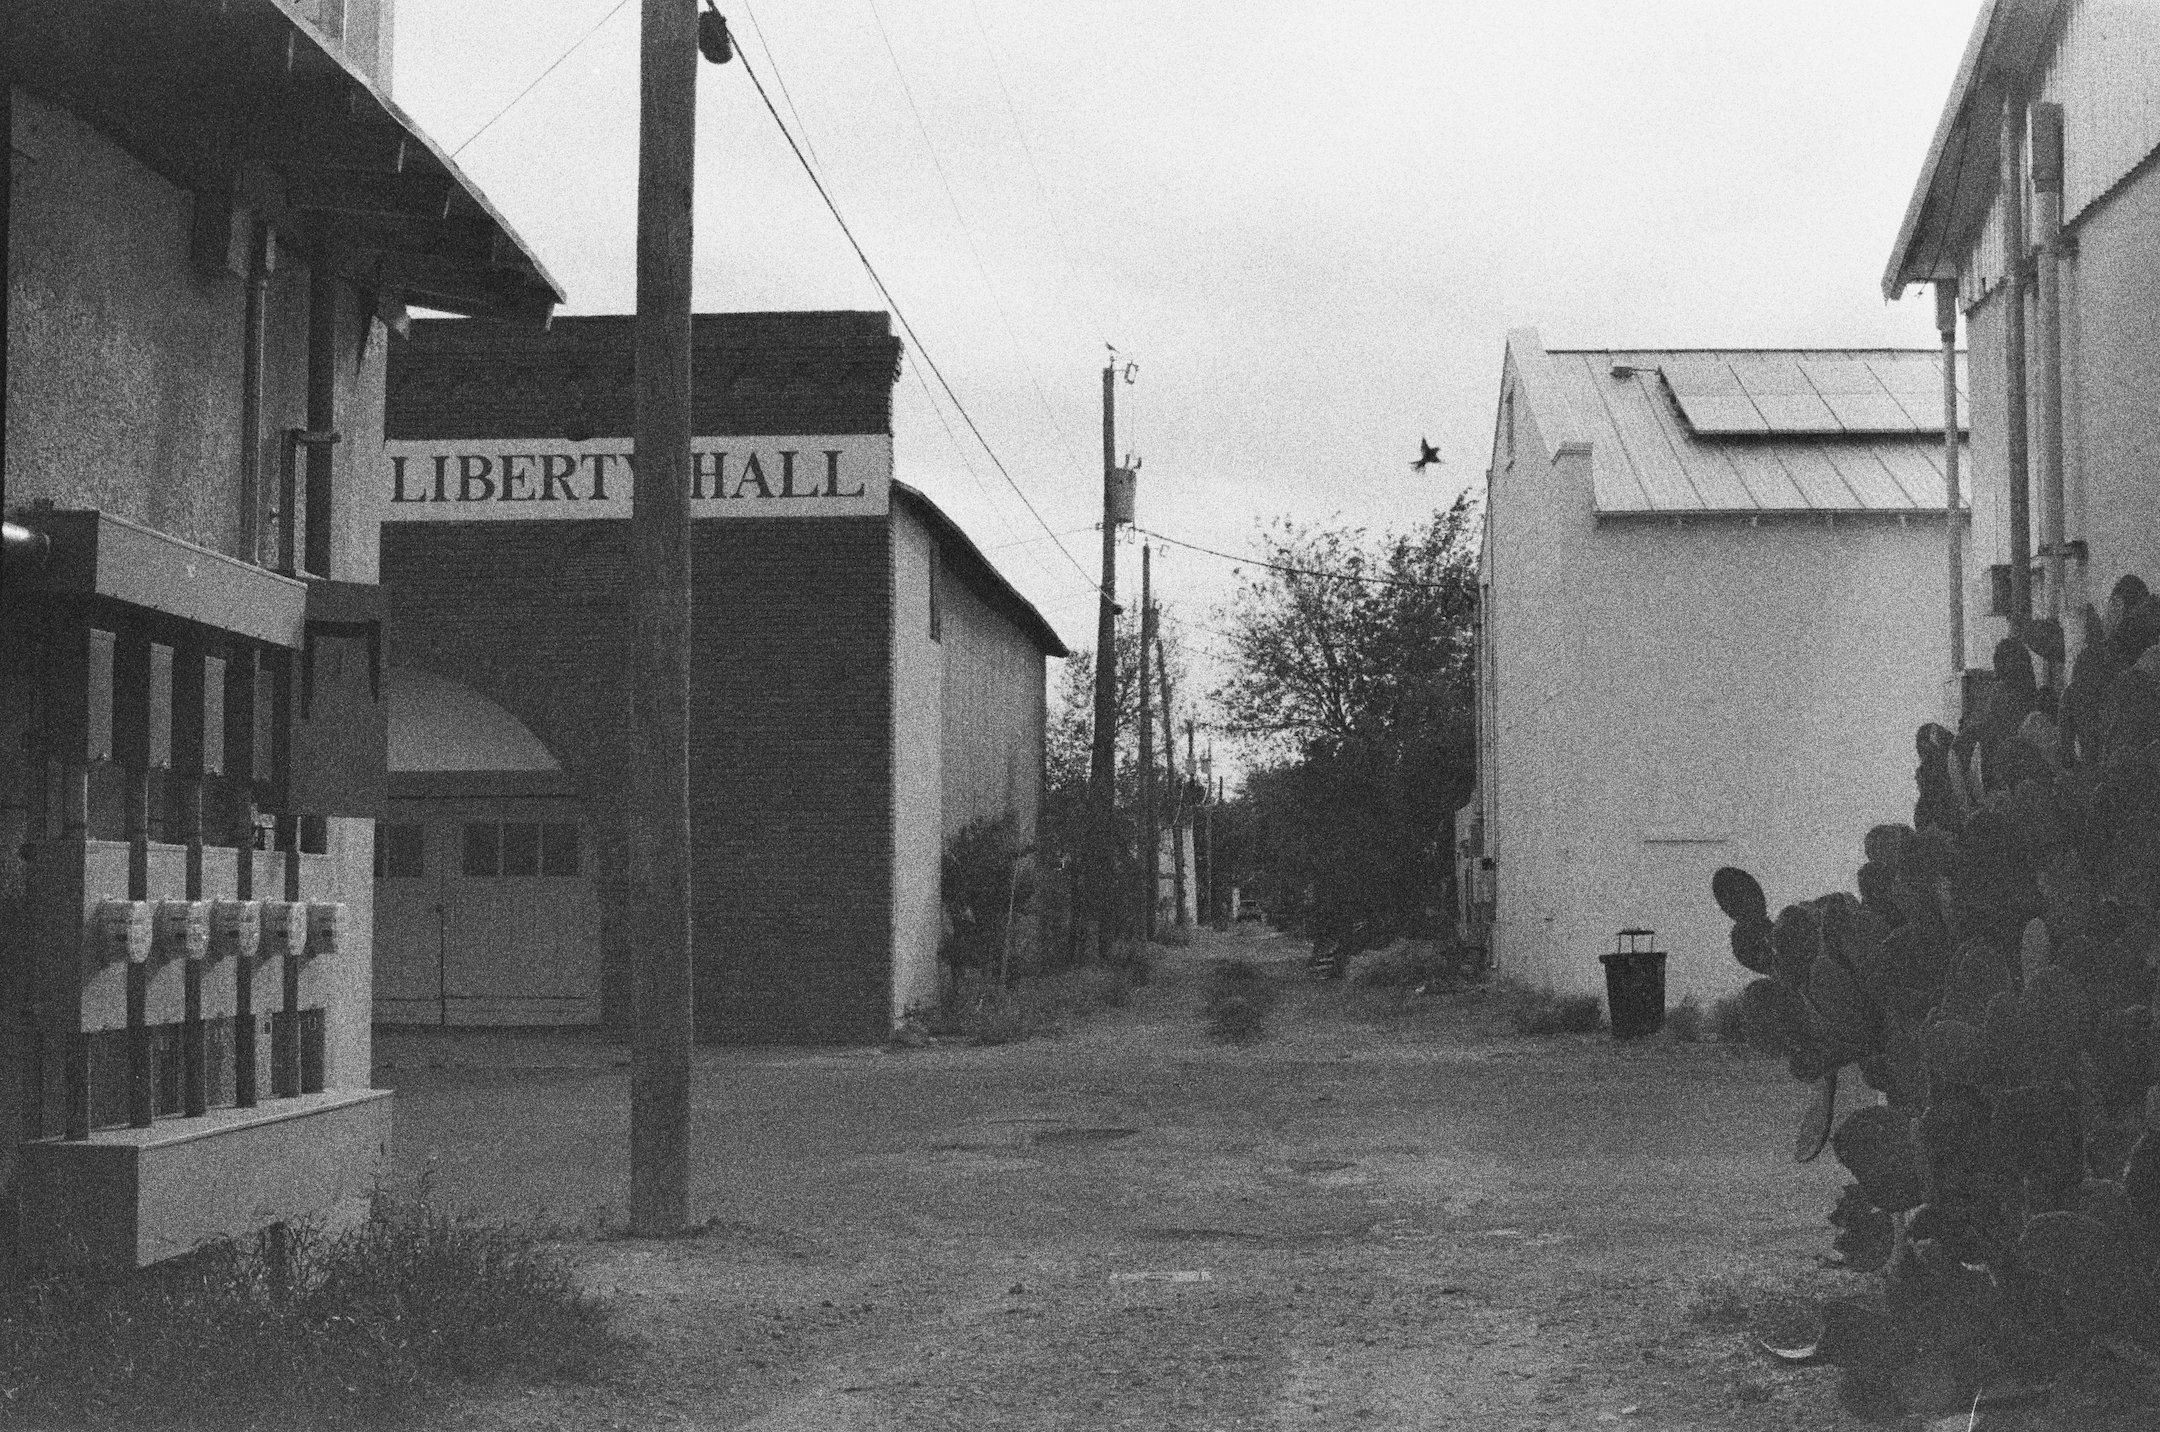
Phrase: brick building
pixel 864 683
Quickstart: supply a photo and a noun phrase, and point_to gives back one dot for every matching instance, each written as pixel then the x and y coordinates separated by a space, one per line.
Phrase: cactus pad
pixel 1739 895
pixel 1876 1146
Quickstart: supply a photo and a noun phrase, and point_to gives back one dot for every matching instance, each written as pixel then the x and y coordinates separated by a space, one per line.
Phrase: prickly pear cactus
pixel 1993 980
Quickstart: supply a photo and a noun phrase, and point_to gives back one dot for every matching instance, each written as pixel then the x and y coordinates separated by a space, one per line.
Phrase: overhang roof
pixel 967 561
pixel 245 102
pixel 1814 449
pixel 1958 179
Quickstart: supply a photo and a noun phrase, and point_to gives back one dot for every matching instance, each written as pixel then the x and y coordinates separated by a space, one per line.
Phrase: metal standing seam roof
pixel 1755 431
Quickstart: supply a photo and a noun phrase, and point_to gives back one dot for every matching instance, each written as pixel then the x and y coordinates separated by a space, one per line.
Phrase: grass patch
pixel 1542 1013
pixel 1685 1021
pixel 294 1329
pixel 1238 999
pixel 1033 1008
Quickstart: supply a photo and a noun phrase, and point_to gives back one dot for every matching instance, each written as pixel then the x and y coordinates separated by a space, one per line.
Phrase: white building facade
pixel 1711 618
pixel 2057 106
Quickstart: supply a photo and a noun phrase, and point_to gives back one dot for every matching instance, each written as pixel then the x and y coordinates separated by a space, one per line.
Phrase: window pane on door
pixel 520 848
pixel 483 848
pixel 400 850
pixel 558 849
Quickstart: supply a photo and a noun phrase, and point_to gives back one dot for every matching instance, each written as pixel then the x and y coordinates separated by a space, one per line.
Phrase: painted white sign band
pixel 524 479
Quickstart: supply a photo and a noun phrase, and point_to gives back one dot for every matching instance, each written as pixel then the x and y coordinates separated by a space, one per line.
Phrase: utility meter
pixel 328 923
pixel 122 930
pixel 235 929
pixel 183 929
pixel 284 929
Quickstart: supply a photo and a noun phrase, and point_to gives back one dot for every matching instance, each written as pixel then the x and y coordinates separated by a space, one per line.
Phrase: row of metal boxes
pixel 148 931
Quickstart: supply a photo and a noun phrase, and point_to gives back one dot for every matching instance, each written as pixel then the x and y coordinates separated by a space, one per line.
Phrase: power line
pixel 781 80
pixel 960 451
pixel 975 250
pixel 1050 206
pixel 1299 571
pixel 566 54
pixel 1029 541
pixel 906 327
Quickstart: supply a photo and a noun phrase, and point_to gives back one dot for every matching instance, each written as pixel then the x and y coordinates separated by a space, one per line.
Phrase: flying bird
pixel 1427 456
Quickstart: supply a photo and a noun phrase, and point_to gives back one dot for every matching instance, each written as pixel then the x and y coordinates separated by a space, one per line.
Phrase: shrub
pixel 985 880
pixel 987 1013
pixel 1542 1013
pixel 1419 965
pixel 1684 1021
pixel 297 1329
pixel 1727 1021
pixel 1993 981
pixel 1237 1001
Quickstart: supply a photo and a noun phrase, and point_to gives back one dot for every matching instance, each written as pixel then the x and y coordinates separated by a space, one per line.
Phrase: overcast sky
pixel 1312 226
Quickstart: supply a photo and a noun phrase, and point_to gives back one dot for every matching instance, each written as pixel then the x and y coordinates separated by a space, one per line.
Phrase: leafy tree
pixel 1070 745
pixel 1354 690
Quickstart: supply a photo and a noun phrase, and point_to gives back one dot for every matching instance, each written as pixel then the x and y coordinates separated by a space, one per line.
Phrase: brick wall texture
pixel 790 744
pixel 791 705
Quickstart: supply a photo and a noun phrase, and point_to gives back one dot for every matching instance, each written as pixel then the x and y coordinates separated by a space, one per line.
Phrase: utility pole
pixel 1102 767
pixel 1150 837
pixel 1180 806
pixel 660 672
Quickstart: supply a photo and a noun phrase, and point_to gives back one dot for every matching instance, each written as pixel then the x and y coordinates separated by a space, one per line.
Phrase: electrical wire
pixel 781 80
pixel 974 249
pixel 907 327
pixel 1029 541
pixel 960 451
pixel 1058 229
pixel 1298 571
pixel 566 54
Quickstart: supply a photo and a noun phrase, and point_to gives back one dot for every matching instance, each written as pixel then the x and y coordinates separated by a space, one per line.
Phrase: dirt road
pixel 1364 1221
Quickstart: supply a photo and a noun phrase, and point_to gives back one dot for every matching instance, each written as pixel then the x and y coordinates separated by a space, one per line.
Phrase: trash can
pixel 1635 984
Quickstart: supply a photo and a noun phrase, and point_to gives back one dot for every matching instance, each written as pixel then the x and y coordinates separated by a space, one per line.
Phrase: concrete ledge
pixel 135 1196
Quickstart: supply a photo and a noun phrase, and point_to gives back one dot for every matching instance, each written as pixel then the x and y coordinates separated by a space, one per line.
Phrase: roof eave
pixel 2000 42
pixel 246 102
pixel 1029 619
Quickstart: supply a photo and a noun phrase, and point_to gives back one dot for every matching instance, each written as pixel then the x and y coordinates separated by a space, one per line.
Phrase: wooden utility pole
pixel 1102 767
pixel 1180 816
pixel 660 669
pixel 1150 838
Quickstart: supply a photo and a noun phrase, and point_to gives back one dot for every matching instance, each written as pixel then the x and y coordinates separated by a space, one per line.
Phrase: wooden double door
pixel 485 913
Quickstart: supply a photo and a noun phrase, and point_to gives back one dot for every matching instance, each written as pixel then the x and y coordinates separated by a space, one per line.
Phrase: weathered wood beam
pixel 336 192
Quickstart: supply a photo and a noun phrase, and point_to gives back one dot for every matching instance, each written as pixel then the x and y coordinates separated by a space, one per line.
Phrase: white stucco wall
pixel 2111 410
pixel 918 774
pixel 1662 700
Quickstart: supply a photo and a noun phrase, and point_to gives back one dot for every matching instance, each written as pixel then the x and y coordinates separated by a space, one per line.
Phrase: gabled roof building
pixel 1711 615
pixel 865 684
pixel 2036 217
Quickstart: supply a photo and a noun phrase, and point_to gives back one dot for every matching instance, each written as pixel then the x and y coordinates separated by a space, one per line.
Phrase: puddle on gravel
pixel 1081 1136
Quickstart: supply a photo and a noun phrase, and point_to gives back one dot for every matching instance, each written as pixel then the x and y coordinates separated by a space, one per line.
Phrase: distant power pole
pixel 659 852
pixel 1102 767
pixel 1180 814
pixel 1150 838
